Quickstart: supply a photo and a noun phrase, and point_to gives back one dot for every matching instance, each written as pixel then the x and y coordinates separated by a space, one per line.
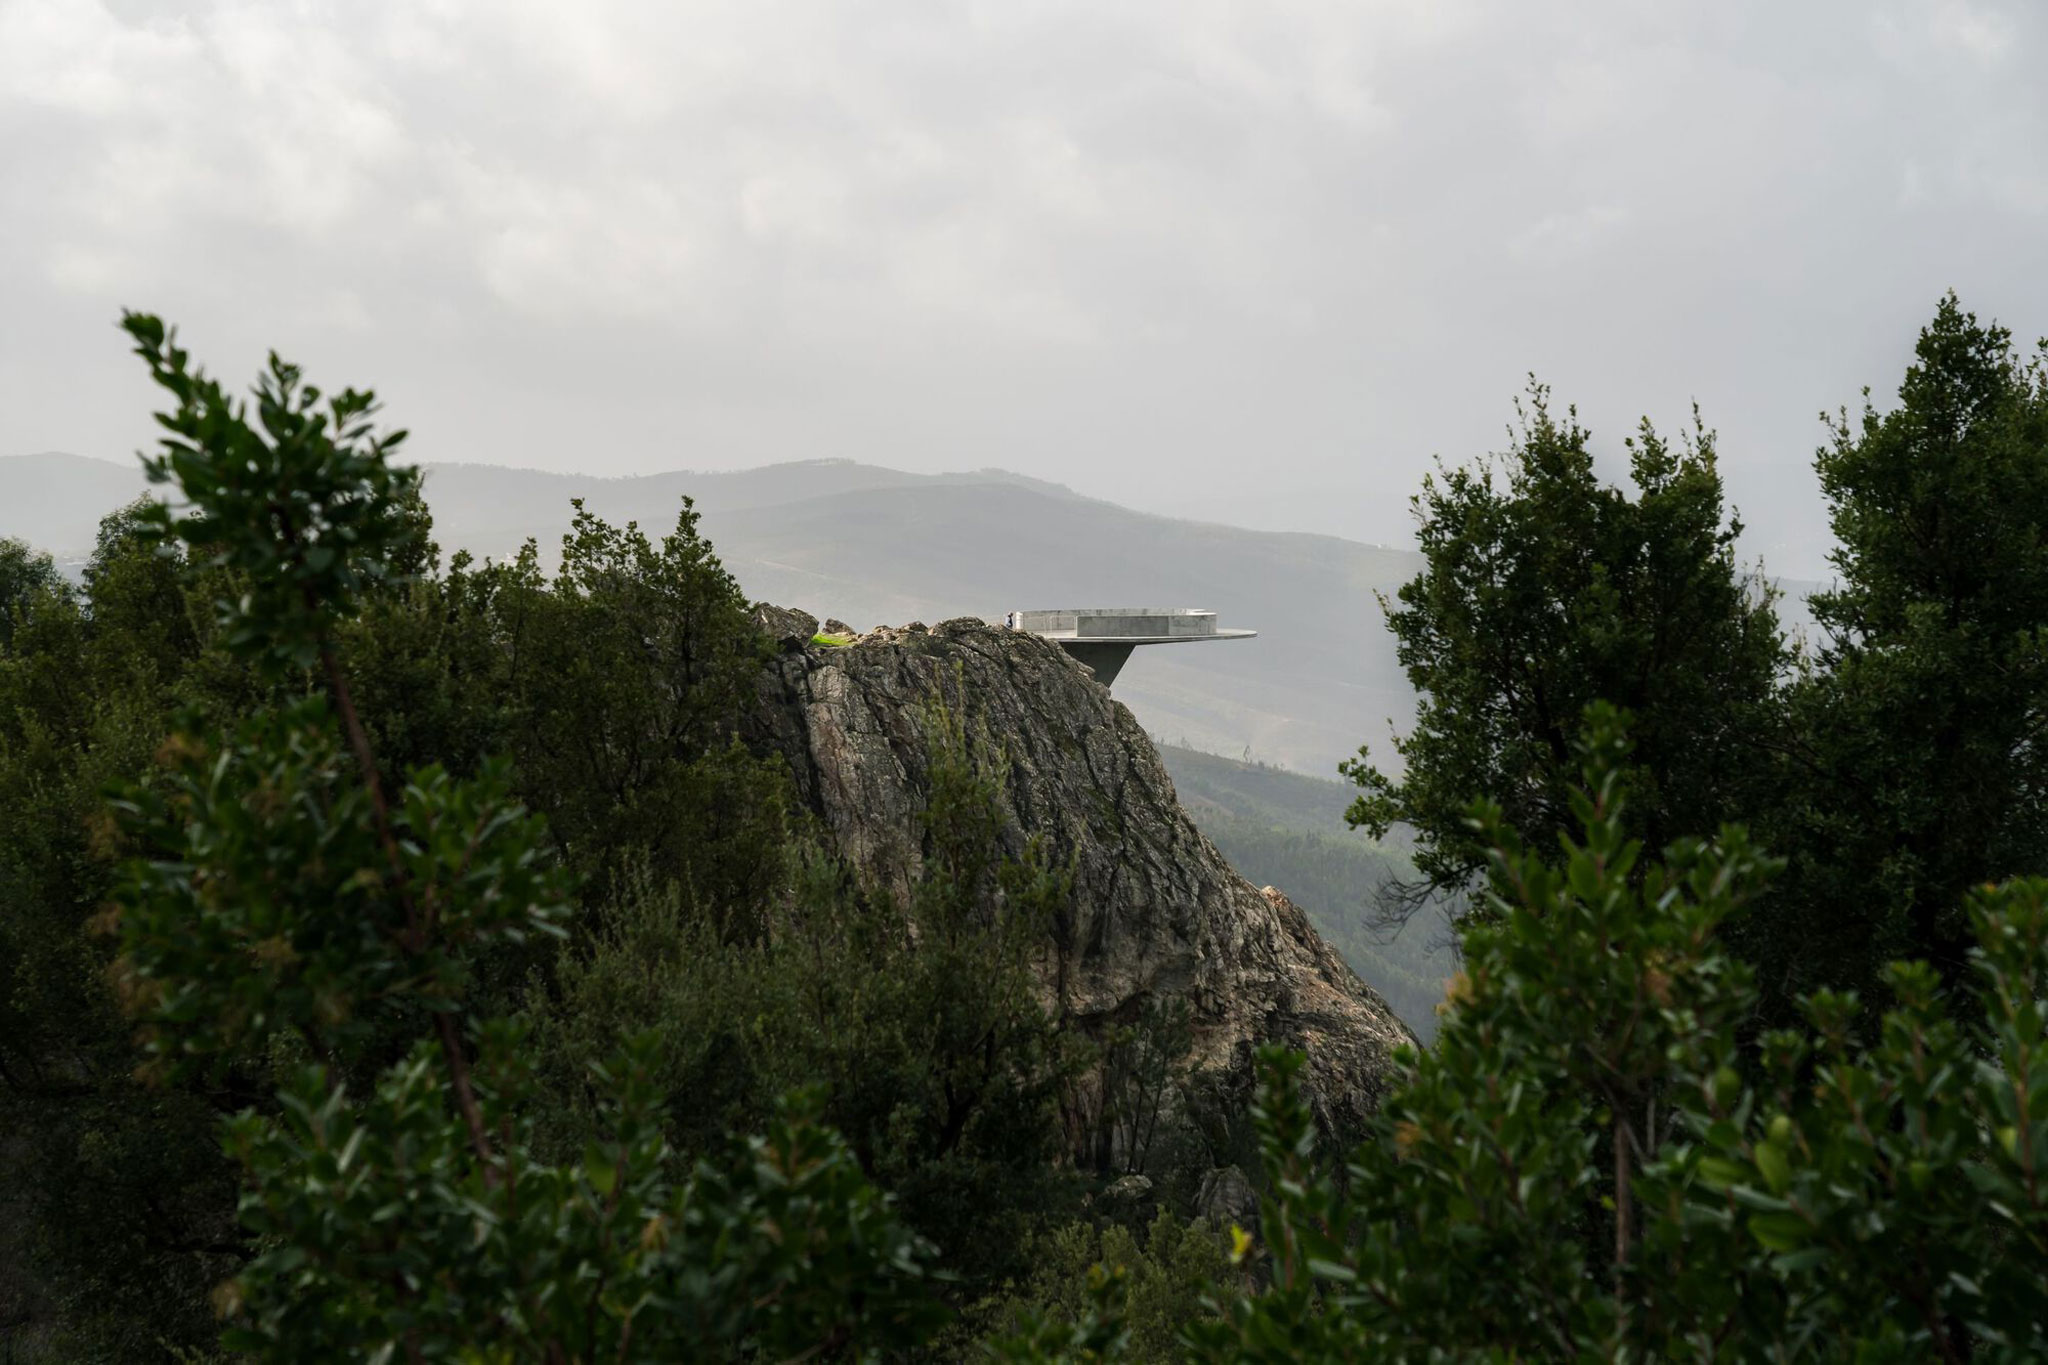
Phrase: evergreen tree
pixel 626 675
pixel 1580 1170
pixel 1545 590
pixel 1922 734
pixel 116 1202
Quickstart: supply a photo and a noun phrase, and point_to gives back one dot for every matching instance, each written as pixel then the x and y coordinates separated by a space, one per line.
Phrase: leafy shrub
pixel 1159 1281
pixel 1582 1168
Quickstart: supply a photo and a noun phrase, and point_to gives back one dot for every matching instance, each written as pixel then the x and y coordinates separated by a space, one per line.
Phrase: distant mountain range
pixel 871 546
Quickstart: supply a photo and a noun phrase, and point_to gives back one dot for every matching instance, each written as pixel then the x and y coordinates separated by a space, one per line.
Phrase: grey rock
pixel 1129 1187
pixel 1226 1198
pixel 1157 912
pixel 835 626
pixel 786 626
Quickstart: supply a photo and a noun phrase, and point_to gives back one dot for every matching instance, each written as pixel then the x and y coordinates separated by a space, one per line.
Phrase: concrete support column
pixel 1106 660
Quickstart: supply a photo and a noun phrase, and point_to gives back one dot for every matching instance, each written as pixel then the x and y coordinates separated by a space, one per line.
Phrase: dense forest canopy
pixel 410 960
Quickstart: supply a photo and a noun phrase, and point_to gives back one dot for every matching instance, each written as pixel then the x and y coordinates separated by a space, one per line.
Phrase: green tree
pixel 117 1206
pixel 116 1203
pixel 1160 1279
pixel 627 674
pixel 1580 1170
pixel 1545 590
pixel 28 581
pixel 286 910
pixel 917 1017
pixel 1922 733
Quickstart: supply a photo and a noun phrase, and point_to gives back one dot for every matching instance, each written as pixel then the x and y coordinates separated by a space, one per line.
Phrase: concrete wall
pixel 1095 622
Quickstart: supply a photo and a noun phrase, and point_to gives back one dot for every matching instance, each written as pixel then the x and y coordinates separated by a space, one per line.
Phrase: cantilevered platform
pixel 1103 637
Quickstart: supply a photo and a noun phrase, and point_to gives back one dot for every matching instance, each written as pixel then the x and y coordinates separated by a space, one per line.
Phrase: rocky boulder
pixel 786 627
pixel 1158 913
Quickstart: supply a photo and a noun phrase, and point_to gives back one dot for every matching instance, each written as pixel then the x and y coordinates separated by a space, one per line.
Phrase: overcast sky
pixel 1253 263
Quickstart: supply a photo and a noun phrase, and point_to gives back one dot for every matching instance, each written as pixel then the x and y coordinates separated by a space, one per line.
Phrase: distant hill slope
pixel 1249 790
pixel 491 510
pixel 1283 829
pixel 873 546
pixel 1320 678
pixel 879 546
pixel 55 502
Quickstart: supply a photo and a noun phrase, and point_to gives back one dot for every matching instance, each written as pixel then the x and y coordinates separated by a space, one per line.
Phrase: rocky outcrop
pixel 1157 911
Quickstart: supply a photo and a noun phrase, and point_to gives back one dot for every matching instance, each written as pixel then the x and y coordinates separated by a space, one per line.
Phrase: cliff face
pixel 1158 914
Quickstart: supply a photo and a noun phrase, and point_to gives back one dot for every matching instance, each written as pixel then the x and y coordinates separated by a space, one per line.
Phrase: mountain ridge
pixel 872 545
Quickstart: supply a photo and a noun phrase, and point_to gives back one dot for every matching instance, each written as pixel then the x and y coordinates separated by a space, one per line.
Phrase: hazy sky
pixel 1252 262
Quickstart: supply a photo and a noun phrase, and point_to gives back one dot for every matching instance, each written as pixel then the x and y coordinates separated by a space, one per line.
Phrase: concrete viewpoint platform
pixel 1103 637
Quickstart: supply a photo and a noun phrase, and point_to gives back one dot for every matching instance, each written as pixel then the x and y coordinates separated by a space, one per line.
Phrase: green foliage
pixel 1897 766
pixel 125 1206
pixel 1891 1193
pixel 303 507
pixel 917 1018
pixel 391 1238
pixel 279 897
pixel 625 674
pixel 1545 591
pixel 288 906
pixel 1124 1295
pixel 138 596
pixel 117 1210
pixel 1580 1170
pixel 28 581
pixel 1918 767
pixel 1096 1333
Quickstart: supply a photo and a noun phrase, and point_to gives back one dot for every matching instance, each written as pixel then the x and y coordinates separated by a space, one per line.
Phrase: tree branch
pixel 444 1020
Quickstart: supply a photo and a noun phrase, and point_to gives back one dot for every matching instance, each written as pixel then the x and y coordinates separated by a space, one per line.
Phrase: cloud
pixel 1978 32
pixel 1571 233
pixel 1212 257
